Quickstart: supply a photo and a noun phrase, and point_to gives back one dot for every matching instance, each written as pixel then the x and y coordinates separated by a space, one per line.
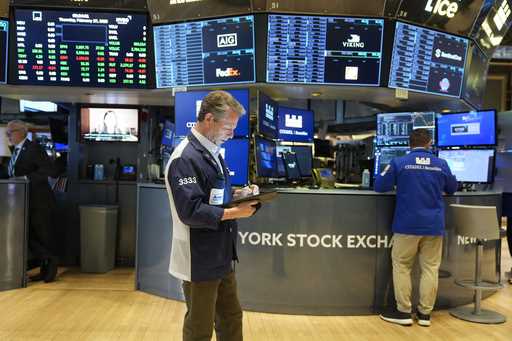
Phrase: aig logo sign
pixel 227 40
pixel 444 8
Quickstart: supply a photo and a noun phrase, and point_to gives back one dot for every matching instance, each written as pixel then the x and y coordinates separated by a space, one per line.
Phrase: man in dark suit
pixel 29 159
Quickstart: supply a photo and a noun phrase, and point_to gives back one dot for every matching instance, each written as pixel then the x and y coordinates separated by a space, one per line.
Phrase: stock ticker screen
pixel 393 129
pixel 4 46
pixel 78 48
pixel 324 50
pixel 219 51
pixel 383 157
pixel 427 61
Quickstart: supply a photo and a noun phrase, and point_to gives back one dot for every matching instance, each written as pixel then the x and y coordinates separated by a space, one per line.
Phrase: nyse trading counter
pixel 319 252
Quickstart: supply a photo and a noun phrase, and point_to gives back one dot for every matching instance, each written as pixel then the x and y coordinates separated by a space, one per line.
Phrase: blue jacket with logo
pixel 420 179
pixel 203 247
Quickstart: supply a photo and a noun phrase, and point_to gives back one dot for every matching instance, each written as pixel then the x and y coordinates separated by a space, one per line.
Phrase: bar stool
pixel 478 222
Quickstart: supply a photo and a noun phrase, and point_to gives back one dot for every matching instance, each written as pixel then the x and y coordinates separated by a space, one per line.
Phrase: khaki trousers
pixel 429 250
pixel 212 303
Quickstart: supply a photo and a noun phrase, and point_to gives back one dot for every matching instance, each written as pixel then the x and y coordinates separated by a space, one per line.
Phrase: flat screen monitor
pixel 58 130
pixel 222 52
pixel 168 133
pixel 236 155
pixel 324 50
pixel 266 158
pixel 475 78
pixel 188 104
pixel 37 106
pixel 470 165
pixel 474 128
pixel 393 129
pixel 304 155
pixel 291 166
pixel 427 61
pixel 267 116
pixel 4 49
pixel 332 7
pixel 323 148
pixel 80 48
pixel 109 125
pixel 296 125
pixel 490 32
pixel 384 155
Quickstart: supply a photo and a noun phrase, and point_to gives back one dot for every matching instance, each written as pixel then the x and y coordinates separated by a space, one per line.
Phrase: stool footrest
pixel 483 285
pixel 485 316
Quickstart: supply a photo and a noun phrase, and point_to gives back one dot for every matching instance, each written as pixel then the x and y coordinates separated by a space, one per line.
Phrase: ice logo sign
pixel 293 121
pixel 227 40
pixel 444 8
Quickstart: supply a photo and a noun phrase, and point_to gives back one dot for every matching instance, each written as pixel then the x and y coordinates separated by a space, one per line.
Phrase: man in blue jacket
pixel 418 224
pixel 204 234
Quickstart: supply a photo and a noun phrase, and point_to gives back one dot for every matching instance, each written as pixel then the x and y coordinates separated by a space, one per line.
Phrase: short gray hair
pixel 19 124
pixel 218 103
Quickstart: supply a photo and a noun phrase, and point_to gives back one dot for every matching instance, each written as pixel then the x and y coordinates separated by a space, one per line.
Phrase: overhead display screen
pixel 331 7
pixel 455 16
pixel 219 51
pixel 188 104
pixel 4 48
pixel 393 129
pixel 324 50
pixel 495 26
pixel 80 49
pixel 474 128
pixel 470 165
pixel 475 78
pixel 296 125
pixel 427 61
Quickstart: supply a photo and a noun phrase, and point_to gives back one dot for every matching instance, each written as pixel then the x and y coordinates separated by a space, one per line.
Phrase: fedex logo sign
pixel 227 40
pixel 293 121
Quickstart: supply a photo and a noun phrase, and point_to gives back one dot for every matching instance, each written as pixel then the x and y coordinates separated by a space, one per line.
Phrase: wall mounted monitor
pixel 473 128
pixel 324 50
pixel 266 157
pixel 4 50
pixel 454 16
pixel 490 32
pixel 168 134
pixel 109 125
pixel 79 48
pixel 167 11
pixel 427 61
pixel 470 165
pixel 211 52
pixel 475 79
pixel 236 154
pixel 93 4
pixel 37 106
pixel 393 129
pixel 267 116
pixel 188 104
pixel 384 155
pixel 323 148
pixel 296 125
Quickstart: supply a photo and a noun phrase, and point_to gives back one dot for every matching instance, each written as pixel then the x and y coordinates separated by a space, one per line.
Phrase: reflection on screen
pixel 470 165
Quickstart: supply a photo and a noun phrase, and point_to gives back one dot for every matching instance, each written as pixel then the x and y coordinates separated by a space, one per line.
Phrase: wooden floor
pixel 105 307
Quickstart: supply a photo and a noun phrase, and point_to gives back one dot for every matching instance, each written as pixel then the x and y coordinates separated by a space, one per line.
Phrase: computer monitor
pixel 236 154
pixel 470 165
pixel 296 125
pixel 267 116
pixel 58 130
pixel 323 148
pixel 393 129
pixel 109 124
pixel 474 128
pixel 266 161
pixel 291 166
pixel 304 156
pixel 384 155
pixel 168 133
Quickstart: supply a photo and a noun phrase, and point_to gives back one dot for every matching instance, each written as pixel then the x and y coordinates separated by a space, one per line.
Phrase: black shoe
pixel 423 319
pixel 51 270
pixel 36 278
pixel 403 319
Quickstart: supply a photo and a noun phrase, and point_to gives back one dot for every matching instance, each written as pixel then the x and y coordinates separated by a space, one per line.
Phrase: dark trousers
pixel 39 234
pixel 209 304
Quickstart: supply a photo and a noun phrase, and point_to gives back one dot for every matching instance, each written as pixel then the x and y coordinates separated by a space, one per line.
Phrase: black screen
pixel 80 48
pixel 427 61
pixel 226 54
pixel 325 50
pixel 323 148
pixel 304 156
pixel 475 78
pixel 291 166
pixel 4 45
pixel 393 129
